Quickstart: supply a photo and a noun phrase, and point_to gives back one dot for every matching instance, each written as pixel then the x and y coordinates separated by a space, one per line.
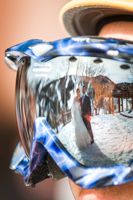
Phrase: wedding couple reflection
pixel 81 116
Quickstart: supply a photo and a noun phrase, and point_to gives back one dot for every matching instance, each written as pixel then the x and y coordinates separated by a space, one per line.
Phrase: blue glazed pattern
pixel 45 139
pixel 76 46
pixel 20 162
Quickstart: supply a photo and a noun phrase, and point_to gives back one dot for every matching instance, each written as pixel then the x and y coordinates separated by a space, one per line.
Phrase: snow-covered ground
pixel 113 135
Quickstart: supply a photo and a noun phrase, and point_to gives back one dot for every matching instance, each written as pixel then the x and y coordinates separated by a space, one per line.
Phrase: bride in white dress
pixel 82 136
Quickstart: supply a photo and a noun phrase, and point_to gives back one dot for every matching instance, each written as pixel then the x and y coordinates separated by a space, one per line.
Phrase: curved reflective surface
pixel 87 101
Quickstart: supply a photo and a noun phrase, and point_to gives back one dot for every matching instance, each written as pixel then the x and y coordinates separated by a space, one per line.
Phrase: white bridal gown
pixel 82 136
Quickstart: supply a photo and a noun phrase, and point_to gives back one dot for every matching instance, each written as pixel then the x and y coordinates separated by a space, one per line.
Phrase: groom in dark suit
pixel 86 111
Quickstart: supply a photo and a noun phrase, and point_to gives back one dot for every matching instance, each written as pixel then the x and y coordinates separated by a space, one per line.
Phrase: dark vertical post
pixel 118 104
pixel 122 103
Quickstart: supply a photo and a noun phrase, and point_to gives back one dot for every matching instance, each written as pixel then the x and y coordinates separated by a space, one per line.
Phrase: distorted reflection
pixel 89 104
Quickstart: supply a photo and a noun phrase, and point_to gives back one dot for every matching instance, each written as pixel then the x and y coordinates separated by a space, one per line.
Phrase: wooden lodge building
pixel 124 91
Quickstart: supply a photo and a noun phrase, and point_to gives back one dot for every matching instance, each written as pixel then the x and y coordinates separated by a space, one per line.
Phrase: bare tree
pixel 89 67
pixel 95 69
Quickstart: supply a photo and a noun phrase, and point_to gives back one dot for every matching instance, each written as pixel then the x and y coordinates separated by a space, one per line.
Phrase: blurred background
pixel 21 20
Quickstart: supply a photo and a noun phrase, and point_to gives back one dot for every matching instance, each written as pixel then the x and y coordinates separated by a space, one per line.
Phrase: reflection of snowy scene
pixel 88 103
